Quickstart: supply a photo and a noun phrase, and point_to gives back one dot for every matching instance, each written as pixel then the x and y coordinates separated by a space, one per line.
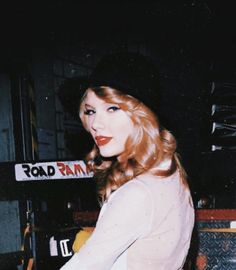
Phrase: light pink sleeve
pixel 126 217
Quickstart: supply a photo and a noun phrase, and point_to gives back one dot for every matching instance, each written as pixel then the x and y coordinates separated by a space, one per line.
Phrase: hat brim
pixel 70 93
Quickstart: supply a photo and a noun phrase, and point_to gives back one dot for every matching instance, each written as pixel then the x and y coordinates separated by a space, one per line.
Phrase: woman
pixel 147 215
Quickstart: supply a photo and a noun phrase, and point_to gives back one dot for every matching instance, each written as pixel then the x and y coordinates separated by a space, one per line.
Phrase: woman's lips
pixel 102 140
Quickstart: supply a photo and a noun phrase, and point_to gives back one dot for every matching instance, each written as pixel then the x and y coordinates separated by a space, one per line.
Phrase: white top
pixel 146 224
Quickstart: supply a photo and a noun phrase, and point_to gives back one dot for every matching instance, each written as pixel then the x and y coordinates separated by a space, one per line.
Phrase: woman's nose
pixel 98 122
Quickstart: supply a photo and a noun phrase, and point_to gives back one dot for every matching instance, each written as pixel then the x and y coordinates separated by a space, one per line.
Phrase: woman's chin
pixel 108 154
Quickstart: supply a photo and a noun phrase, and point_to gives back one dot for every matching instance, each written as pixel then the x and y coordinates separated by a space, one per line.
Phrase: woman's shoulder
pixel 158 186
pixel 134 188
pixel 150 178
pixel 147 185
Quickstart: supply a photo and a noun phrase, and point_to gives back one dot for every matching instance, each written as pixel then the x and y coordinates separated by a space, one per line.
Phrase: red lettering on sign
pixel 78 169
pixel 74 169
pixel 61 167
pixel 68 170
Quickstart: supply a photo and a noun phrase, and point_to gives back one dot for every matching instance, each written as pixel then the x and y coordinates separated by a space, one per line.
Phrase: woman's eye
pixel 89 112
pixel 113 108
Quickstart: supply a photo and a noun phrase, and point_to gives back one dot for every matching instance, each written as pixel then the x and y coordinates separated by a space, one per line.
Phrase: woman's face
pixel 109 125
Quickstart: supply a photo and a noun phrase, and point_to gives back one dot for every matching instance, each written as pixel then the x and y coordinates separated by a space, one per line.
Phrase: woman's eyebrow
pixel 111 104
pixel 88 105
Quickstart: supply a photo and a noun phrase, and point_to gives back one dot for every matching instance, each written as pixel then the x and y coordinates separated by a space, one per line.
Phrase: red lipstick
pixel 102 140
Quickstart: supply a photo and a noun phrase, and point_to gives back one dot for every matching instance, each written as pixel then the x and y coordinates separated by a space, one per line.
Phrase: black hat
pixel 131 73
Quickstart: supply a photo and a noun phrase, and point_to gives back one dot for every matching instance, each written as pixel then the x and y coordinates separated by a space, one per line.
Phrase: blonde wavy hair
pixel 145 149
